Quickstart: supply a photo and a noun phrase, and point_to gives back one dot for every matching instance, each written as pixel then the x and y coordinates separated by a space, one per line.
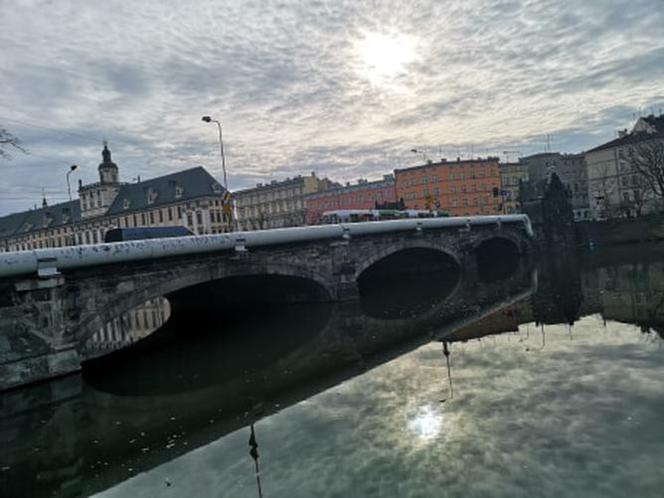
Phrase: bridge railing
pixel 47 262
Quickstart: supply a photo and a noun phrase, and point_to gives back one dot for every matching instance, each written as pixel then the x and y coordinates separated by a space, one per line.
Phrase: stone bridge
pixel 53 301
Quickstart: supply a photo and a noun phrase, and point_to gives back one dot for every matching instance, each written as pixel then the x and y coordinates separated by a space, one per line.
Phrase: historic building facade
pixel 461 187
pixel 191 198
pixel 512 175
pixel 277 204
pixel 615 187
pixel 572 172
pixel 362 195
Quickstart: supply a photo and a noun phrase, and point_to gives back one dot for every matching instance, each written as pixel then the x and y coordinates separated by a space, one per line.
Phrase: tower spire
pixel 108 170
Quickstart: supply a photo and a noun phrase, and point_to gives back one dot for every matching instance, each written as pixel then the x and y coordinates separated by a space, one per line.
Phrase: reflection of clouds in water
pixel 580 418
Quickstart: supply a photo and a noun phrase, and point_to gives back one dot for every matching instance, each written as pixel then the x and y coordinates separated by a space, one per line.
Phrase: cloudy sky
pixel 340 87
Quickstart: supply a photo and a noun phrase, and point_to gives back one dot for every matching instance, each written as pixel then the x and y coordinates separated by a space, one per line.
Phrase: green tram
pixel 359 215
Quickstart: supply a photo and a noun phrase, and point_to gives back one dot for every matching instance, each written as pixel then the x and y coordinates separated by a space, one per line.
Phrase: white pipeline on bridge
pixel 48 261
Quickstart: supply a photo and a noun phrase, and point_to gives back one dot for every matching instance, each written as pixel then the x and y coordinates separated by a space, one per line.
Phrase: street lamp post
pixel 208 119
pixel 71 169
pixel 72 237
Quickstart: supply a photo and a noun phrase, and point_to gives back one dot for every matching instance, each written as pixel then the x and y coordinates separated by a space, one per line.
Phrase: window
pixel 151 217
pixel 161 216
pixel 199 217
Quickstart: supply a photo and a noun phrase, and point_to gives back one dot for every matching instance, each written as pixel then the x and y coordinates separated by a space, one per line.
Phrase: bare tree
pixel 647 159
pixel 8 142
pixel 605 191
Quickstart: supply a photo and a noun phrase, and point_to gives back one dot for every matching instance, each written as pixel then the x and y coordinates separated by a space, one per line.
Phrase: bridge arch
pixel 497 256
pixel 394 249
pixel 170 284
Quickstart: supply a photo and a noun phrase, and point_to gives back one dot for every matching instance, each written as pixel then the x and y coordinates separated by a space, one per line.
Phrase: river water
pixel 546 381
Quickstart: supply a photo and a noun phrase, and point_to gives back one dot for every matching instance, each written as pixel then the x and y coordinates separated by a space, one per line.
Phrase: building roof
pixel 445 162
pixel 656 123
pixel 274 184
pixel 194 182
pixel 337 189
pixel 46 217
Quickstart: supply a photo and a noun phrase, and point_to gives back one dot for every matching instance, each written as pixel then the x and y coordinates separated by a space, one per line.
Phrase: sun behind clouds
pixel 384 56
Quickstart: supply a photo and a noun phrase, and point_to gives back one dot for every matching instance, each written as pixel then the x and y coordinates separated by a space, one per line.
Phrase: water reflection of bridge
pixel 143 410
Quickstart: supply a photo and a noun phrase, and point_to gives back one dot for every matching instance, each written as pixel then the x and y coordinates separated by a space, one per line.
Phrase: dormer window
pixel 126 203
pixel 216 188
pixel 178 191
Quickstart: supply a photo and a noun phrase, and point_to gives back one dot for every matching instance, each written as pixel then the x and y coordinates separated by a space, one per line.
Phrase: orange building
pixel 462 188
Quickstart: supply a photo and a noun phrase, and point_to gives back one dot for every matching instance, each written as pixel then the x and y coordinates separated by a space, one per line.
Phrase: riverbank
pixel 620 231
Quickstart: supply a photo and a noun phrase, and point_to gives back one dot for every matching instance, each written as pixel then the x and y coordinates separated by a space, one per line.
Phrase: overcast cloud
pixel 343 88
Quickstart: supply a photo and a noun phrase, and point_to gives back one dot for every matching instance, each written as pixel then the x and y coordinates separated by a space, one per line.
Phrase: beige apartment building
pixel 511 175
pixel 277 204
pixel 191 198
pixel 615 188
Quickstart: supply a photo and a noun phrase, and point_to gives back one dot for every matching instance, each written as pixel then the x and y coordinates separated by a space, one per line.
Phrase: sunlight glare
pixel 426 423
pixel 385 56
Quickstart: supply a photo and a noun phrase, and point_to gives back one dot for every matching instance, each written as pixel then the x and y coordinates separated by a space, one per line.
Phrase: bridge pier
pixel 347 291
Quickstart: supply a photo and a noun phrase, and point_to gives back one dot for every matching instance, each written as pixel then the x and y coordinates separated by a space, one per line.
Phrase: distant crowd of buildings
pixel 602 183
